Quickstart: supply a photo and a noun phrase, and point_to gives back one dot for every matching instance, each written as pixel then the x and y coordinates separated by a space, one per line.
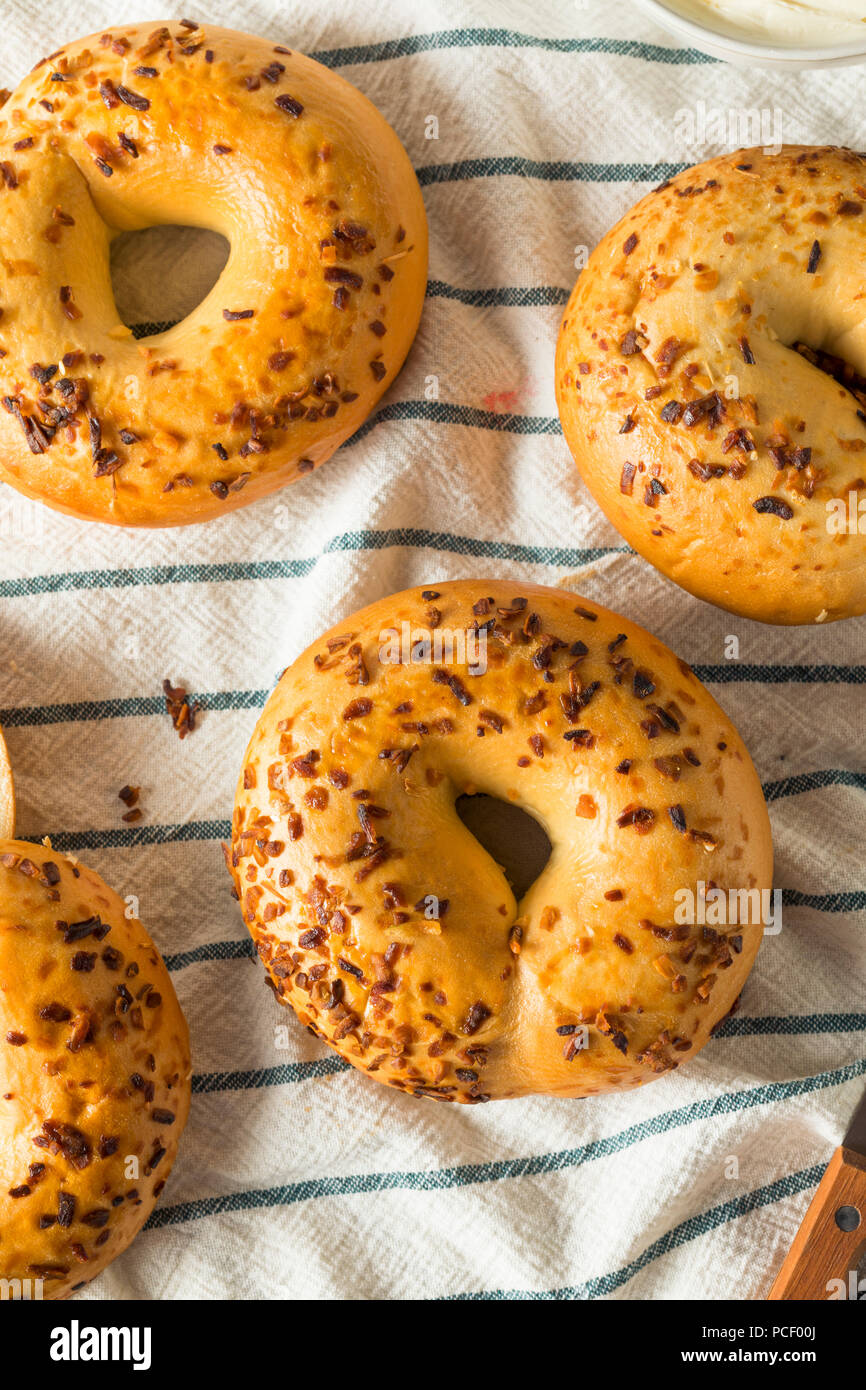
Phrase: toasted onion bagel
pixel 94 1072
pixel 394 934
pixel 7 793
pixel 711 379
pixel 302 333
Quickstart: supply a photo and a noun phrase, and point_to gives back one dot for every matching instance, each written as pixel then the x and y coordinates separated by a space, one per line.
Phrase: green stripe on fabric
pixel 137 836
pixel 793 1025
pixel 147 330
pixel 547 171
pixel 467 1175
pixel 811 781
pixel 123 707
pixel 243 949
pixel 451 413
pixel 695 1226
pixel 506 297
pixel 445 39
pixel 347 542
pixel 732 673
pixel 288 1073
pixel 853 900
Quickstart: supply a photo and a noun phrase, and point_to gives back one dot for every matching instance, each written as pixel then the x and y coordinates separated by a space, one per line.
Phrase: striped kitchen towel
pixel 533 125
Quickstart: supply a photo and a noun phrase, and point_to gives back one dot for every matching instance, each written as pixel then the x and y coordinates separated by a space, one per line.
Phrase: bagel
pixel 394 934
pixel 7 793
pixel 306 327
pixel 710 376
pixel 94 1073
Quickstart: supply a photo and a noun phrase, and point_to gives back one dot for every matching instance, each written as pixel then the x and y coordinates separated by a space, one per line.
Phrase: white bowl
pixel 747 52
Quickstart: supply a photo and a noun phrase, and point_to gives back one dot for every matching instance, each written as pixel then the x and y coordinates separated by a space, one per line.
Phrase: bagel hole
pixel 160 274
pixel 511 836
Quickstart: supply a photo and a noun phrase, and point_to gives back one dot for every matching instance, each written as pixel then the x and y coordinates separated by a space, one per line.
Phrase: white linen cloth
pixel 297 1178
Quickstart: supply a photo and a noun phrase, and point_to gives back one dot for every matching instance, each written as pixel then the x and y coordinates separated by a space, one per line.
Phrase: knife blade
pixel 823 1260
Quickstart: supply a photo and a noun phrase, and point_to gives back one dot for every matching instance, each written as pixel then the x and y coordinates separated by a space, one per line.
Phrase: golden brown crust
pixel 685 402
pixel 94 1072
pixel 7 793
pixel 345 837
pixel 323 289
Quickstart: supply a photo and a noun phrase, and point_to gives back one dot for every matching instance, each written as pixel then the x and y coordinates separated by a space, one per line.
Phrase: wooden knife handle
pixel 823 1249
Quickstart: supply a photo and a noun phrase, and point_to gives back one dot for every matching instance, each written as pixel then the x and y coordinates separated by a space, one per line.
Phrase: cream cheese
pixel 784 23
